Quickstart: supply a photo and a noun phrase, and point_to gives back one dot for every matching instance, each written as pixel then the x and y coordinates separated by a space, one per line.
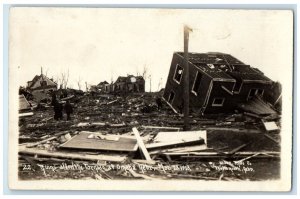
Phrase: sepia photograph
pixel 150 99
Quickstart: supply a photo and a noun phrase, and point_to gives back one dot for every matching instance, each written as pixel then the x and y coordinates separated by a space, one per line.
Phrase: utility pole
pixel 186 73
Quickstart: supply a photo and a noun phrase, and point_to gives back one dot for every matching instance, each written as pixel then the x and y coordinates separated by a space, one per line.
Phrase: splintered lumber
pixel 257 106
pixel 263 154
pixel 164 137
pixel 247 158
pixel 23 103
pixel 40 142
pixel 71 155
pixel 141 144
pixel 111 102
pixel 181 149
pixel 84 124
pixel 252 115
pixel 26 114
pixel 271 138
pixel 237 149
pixel 46 140
pixel 161 127
pixel 187 142
pixel 233 130
pixel 270 126
pixel 97 141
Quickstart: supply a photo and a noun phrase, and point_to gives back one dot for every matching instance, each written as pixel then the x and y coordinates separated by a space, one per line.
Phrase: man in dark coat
pixel 158 103
pixel 68 109
pixel 58 115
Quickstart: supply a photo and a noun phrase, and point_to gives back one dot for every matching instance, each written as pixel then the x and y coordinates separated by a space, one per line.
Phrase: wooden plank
pixel 270 126
pixel 23 103
pixel 111 102
pixel 257 106
pixel 85 141
pixel 40 142
pixel 181 149
pixel 141 144
pixel 233 130
pixel 216 154
pixel 237 149
pixel 175 144
pixel 71 155
pixel 271 138
pixel 161 127
pixel 26 114
pixel 252 115
pixel 180 136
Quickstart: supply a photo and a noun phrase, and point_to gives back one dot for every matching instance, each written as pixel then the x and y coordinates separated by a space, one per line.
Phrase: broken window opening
pixel 252 93
pixel 218 101
pixel 178 74
pixel 197 82
pixel 260 92
pixel 237 86
pixel 171 97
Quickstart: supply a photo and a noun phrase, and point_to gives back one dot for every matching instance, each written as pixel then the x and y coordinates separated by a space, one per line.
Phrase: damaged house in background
pixel 129 84
pixel 40 86
pixel 101 87
pixel 218 83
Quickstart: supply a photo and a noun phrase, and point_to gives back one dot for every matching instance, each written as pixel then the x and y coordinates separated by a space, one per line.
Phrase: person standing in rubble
pixel 58 115
pixel 68 109
pixel 158 103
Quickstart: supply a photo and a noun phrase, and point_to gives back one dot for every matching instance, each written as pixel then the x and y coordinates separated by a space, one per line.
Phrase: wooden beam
pixel 141 144
pixel 271 138
pixel 71 155
pixel 174 144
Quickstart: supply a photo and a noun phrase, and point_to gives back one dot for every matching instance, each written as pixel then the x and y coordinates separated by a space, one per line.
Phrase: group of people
pixel 58 109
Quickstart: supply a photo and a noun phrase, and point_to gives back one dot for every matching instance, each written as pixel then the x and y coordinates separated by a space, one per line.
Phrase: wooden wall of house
pixel 231 101
pixel 178 88
pixel 248 86
pixel 218 92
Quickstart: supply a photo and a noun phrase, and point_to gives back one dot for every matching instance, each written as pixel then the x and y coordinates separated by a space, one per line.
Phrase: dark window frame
pixel 196 88
pixel 176 72
pixel 256 92
pixel 171 100
pixel 214 104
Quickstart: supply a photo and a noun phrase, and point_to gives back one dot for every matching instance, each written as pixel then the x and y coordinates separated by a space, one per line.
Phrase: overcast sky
pixel 101 44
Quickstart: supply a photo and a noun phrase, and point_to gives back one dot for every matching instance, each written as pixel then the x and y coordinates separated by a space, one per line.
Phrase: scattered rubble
pixel 122 138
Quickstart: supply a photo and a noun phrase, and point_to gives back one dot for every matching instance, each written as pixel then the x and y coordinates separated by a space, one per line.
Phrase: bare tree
pixel 159 84
pixel 145 71
pixel 65 79
pixel 79 83
pixel 47 72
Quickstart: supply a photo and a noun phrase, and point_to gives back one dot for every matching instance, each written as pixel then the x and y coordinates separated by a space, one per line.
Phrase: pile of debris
pixel 136 136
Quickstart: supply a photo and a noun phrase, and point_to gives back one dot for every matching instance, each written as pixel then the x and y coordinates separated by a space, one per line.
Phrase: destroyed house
pixel 41 83
pixel 129 84
pixel 101 87
pixel 218 82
